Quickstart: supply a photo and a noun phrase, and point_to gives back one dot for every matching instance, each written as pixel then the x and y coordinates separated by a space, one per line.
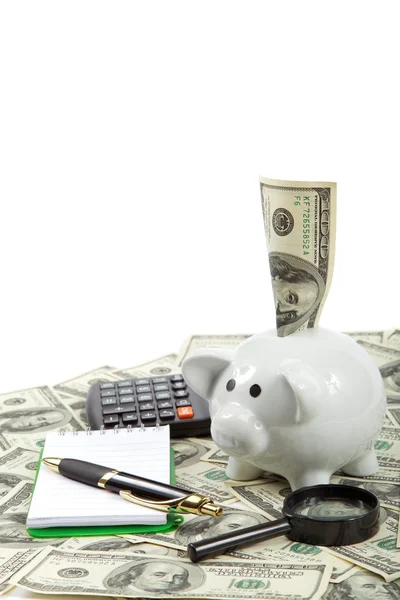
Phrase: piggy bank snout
pixel 237 430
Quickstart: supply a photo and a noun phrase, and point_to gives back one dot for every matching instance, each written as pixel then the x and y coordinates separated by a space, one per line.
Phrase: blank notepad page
pixel 58 501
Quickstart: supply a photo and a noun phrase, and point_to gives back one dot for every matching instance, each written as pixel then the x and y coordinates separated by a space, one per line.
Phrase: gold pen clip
pixel 194 503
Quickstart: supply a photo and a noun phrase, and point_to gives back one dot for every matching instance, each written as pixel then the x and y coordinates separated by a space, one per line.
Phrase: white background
pixel 132 137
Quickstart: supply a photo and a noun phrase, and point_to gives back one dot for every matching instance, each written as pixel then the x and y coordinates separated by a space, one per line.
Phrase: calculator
pixel 148 402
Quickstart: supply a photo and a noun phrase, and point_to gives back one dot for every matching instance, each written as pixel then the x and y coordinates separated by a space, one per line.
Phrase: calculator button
pixel 146 406
pixel 145 397
pixel 179 385
pixel 185 412
pixel 129 418
pixel 124 384
pixel 181 394
pixel 159 380
pixel 143 388
pixel 176 378
pixel 164 404
pixel 107 386
pixel 166 414
pixel 107 393
pixel 142 381
pixel 148 416
pixel 126 391
pixel 163 396
pixel 111 420
pixel 182 402
pixel 114 410
pixel 161 387
pixel 108 401
pixel 124 399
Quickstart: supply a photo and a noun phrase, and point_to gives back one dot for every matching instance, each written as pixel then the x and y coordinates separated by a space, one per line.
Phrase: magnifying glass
pixel 323 515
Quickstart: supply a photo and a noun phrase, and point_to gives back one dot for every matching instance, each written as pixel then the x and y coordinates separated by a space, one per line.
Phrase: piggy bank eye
pixel 230 385
pixel 255 390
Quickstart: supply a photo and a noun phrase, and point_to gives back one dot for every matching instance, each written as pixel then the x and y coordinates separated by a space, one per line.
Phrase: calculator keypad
pixel 145 401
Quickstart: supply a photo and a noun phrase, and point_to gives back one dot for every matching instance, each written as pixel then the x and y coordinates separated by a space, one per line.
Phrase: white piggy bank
pixel 302 406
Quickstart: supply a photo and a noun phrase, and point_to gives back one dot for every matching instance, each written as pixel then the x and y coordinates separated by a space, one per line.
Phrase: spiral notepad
pixel 61 502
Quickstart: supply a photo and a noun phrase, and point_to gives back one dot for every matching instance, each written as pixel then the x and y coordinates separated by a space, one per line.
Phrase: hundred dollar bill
pixel 392 338
pixel 388 362
pixel 374 337
pixel 205 480
pixel 68 572
pixel 79 386
pixel 300 222
pixel 196 528
pixel 363 585
pixel 116 545
pixel 188 452
pixel 387 448
pixel 216 455
pixel 13 512
pixel 26 416
pixel 196 342
pixel 164 365
pixel 394 416
pixel 388 493
pixel 16 465
pixel 12 560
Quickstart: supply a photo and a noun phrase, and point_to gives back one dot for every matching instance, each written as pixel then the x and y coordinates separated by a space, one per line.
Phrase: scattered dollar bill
pixel 164 365
pixel 388 362
pixel 394 416
pixel 13 512
pixel 387 448
pixel 388 493
pixel 375 337
pixel 205 480
pixel 216 455
pixel 116 545
pixel 300 222
pixel 188 452
pixel 12 560
pixel 79 386
pixel 68 572
pixel 392 338
pixel 26 416
pixel 197 528
pixel 16 465
pixel 363 585
pixel 197 342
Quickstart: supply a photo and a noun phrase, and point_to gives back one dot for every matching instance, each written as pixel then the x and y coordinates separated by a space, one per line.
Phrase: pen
pixel 139 490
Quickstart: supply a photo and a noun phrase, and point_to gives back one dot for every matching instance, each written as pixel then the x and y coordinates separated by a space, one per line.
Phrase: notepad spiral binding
pixel 103 430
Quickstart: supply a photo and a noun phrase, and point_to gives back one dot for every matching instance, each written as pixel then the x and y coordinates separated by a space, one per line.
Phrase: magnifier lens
pixel 331 509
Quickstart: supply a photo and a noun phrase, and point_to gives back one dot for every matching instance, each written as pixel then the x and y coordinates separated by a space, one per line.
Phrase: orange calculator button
pixel 185 412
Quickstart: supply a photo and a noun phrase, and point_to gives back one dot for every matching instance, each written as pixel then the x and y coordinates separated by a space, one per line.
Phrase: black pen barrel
pixel 115 481
pixel 215 546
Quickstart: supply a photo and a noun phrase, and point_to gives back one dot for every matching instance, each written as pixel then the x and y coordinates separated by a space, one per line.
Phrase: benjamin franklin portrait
pixel 155 576
pixel 298 289
pixel 8 481
pixel 364 586
pixel 34 419
pixel 187 453
pixel 200 528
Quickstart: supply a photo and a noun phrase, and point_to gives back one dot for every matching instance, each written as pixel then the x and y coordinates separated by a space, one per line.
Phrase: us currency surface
pixel 300 223
pixel 16 465
pixel 196 342
pixel 388 361
pixel 26 416
pixel 68 572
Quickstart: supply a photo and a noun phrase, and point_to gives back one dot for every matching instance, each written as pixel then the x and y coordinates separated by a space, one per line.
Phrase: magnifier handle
pixel 215 546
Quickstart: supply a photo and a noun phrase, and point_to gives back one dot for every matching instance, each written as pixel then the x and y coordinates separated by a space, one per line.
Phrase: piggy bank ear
pixel 202 368
pixel 307 389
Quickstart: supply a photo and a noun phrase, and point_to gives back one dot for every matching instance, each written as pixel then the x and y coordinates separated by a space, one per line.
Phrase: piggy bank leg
pixel 308 478
pixel 365 465
pixel 242 470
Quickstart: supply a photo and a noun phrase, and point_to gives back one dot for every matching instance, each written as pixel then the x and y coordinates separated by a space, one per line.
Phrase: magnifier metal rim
pixel 354 492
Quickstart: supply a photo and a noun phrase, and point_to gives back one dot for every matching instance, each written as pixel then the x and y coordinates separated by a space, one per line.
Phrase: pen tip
pixel 212 510
pixel 52 463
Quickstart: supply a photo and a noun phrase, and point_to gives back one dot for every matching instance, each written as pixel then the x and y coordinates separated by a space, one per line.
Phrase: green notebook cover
pixel 173 520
